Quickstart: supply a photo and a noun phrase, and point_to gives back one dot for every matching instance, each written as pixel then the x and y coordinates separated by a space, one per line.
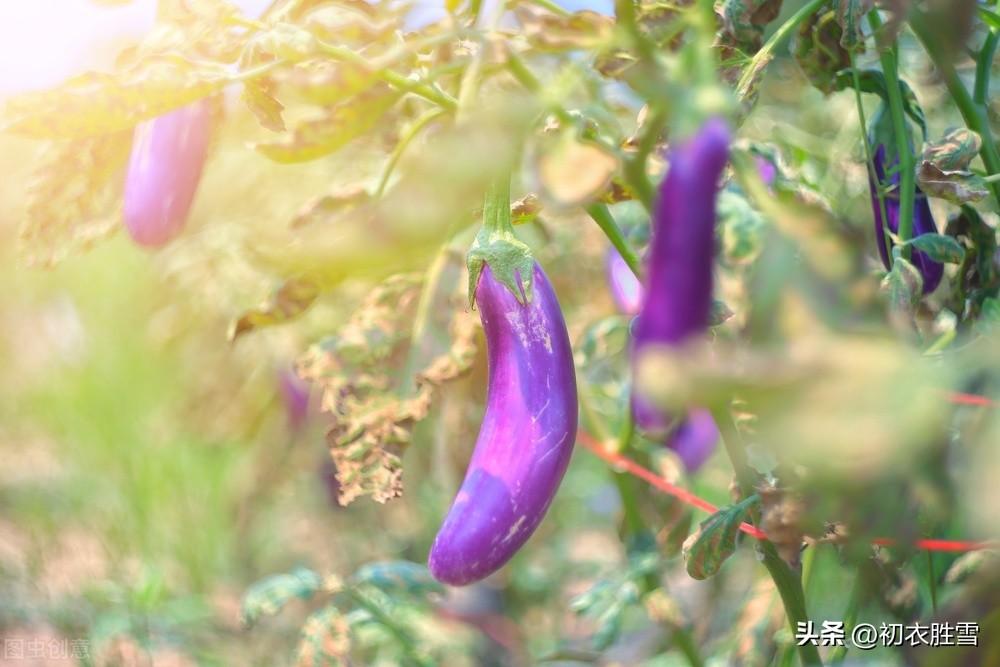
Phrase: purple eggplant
pixel 295 398
pixel 526 438
pixel 695 439
pixel 626 290
pixel 168 153
pixel 923 220
pixel 677 305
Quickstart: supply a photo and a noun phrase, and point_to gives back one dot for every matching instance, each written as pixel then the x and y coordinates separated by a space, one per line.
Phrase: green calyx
pixel 509 258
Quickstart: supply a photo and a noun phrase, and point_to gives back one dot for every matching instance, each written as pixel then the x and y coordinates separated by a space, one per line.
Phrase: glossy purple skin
pixel 923 221
pixel 677 304
pixel 168 153
pixel 626 290
pixel 526 438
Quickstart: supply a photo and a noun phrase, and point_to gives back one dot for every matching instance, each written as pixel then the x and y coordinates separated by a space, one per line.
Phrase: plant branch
pixel 907 167
pixel 880 195
pixel 984 63
pixel 602 216
pixel 404 141
pixel 762 57
pixel 785 579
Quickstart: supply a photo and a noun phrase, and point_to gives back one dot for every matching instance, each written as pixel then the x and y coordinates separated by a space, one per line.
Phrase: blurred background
pixel 152 471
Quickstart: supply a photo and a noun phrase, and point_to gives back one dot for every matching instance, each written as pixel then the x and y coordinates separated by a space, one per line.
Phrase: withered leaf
pixel 324 82
pixel 325 639
pixel 373 409
pixel 74 197
pixel 339 126
pixel 572 172
pixel 850 14
pixel 291 300
pixel 743 21
pixel 819 50
pixel 328 206
pixel 903 286
pixel 955 150
pixel 96 103
pixel 525 209
pixel 958 186
pixel 547 31
pixel 258 96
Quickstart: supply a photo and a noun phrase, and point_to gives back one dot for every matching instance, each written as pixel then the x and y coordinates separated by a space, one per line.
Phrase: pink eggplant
pixel 526 438
pixel 163 172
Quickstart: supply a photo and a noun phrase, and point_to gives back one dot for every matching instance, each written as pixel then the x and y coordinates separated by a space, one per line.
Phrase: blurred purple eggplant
pixel 677 305
pixel 164 169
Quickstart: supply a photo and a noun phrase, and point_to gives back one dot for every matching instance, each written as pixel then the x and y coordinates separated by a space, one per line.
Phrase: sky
pixel 44 42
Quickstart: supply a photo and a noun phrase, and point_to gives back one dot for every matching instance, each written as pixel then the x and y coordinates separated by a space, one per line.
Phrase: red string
pixel 960 398
pixel 685 496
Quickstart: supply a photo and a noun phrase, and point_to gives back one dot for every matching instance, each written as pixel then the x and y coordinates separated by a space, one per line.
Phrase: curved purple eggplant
pixel 677 305
pixel 526 438
pixel 168 153
pixel 626 290
pixel 923 220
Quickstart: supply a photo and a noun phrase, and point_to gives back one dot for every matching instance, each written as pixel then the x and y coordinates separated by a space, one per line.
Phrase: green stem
pixel 399 634
pixel 932 580
pixel 880 195
pixel 626 17
pixel 602 216
pixel 787 581
pixel 635 165
pixel 850 618
pixel 404 141
pixel 984 63
pixel 683 640
pixel 762 57
pixel 393 78
pixel 974 114
pixel 907 186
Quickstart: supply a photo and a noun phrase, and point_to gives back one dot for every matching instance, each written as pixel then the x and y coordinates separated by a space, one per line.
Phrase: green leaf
pixel 740 229
pixel 398 577
pixel 989 317
pixel 939 247
pixel 873 81
pixel 720 313
pixel 992 19
pixel 339 126
pixel 268 596
pixel 715 540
